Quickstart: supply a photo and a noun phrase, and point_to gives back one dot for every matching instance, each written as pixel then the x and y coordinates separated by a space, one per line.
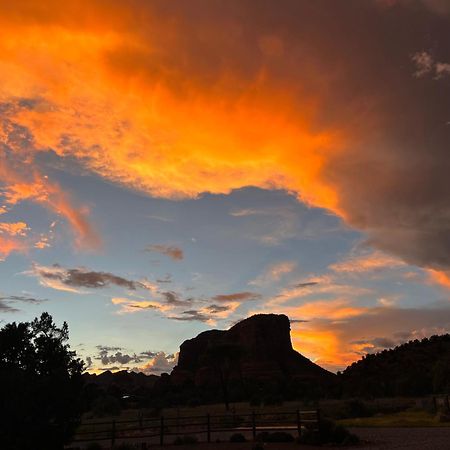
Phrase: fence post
pixel 447 404
pixel 113 433
pixel 161 432
pixel 299 424
pixel 208 430
pixel 435 404
pixel 318 421
pixel 254 425
pixel 141 424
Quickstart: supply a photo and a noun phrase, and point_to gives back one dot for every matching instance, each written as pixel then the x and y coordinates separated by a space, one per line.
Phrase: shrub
pixel 106 406
pixel 280 436
pixel 181 440
pixel 273 400
pixel 237 437
pixel 357 408
pixel 124 446
pixel 277 436
pixel 262 437
pixel 193 402
pixel 94 446
pixel 329 433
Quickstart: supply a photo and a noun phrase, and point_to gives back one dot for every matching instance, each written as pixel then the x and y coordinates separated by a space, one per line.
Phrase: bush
pixel 94 446
pixel 357 408
pixel 124 446
pixel 273 400
pixel 237 437
pixel 255 401
pixel 329 433
pixel 181 440
pixel 277 436
pixel 106 406
pixel 193 402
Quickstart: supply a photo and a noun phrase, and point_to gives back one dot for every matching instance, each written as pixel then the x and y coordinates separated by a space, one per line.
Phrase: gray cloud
pixel 305 285
pixel 172 298
pixel 172 251
pixel 214 309
pixel 7 300
pixel 82 277
pixel 191 315
pixel 237 297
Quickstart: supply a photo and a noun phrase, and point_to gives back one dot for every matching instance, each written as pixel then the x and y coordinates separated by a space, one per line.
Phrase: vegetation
pixel 329 433
pixel 410 418
pixel 412 369
pixel 182 440
pixel 40 385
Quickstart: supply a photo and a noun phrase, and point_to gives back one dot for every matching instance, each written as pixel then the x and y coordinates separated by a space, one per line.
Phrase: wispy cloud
pixel 367 262
pixel 172 251
pixel 237 296
pixel 274 272
pixel 8 302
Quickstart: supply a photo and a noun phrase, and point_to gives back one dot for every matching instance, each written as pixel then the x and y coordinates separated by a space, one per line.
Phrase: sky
pixel 168 167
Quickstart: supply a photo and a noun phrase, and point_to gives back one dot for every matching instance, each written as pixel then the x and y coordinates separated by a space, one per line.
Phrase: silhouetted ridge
pixel 414 368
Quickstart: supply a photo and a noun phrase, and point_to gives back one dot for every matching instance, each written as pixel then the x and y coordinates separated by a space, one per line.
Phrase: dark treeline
pixel 419 367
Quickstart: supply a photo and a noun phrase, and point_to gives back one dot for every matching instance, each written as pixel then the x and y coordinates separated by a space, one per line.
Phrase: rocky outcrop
pixel 257 348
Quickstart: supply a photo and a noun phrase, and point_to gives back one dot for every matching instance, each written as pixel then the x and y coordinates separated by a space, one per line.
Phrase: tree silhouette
pixel 40 385
pixel 224 359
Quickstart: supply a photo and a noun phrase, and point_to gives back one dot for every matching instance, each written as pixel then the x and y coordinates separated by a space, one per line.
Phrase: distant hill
pixel 415 368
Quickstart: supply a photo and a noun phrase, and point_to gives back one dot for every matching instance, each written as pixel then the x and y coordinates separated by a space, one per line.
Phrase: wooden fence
pixel 163 430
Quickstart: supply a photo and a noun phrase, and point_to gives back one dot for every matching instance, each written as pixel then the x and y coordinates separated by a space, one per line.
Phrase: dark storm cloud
pixel 236 297
pixel 172 251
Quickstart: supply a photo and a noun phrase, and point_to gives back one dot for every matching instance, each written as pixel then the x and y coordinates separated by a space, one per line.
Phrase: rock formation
pixel 257 348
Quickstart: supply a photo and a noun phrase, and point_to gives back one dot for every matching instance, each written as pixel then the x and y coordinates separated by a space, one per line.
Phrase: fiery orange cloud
pixel 324 347
pixel 212 96
pixel 113 100
pixel 439 277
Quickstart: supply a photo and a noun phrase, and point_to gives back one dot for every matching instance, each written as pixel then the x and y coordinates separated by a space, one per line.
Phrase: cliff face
pixel 261 349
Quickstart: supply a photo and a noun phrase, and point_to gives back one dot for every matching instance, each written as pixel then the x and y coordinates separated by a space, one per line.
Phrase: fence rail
pixel 160 429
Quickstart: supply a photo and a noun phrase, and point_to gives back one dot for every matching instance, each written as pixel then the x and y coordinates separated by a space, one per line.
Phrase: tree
pixel 40 385
pixel 224 359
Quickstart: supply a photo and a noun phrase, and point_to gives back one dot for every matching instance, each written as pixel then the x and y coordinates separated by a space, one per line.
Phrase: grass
pixel 406 419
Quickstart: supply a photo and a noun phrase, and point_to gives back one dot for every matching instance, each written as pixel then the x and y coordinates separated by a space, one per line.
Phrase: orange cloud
pixel 119 103
pixel 439 277
pixel 328 309
pixel 9 245
pixel 177 101
pixel 367 263
pixel 14 229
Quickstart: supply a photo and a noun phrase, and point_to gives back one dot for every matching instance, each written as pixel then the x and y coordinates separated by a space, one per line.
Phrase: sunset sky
pixel 172 166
